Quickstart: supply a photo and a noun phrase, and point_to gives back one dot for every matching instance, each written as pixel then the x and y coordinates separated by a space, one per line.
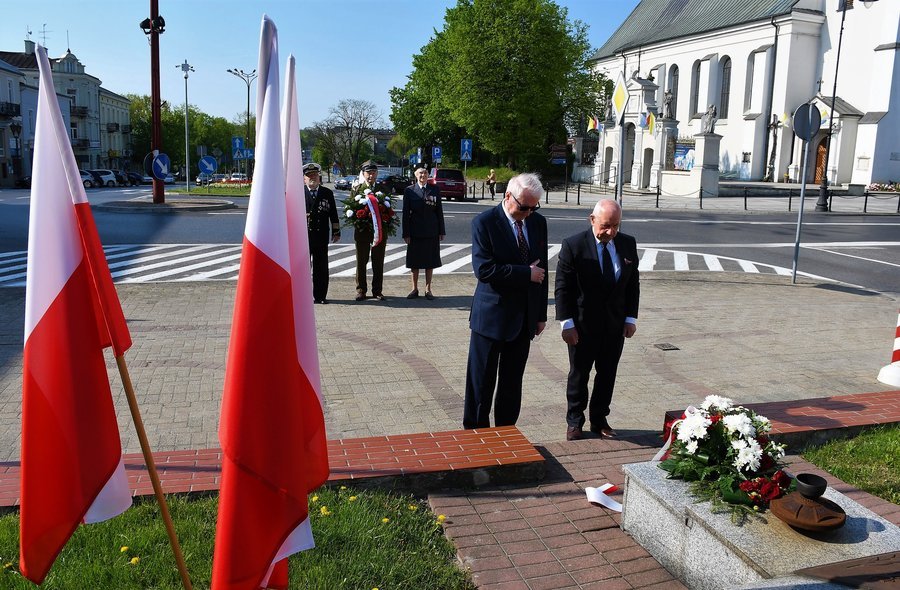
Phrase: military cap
pixel 368 165
pixel 311 167
pixel 421 166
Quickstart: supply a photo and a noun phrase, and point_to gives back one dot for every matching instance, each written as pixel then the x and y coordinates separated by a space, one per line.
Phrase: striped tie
pixel 523 245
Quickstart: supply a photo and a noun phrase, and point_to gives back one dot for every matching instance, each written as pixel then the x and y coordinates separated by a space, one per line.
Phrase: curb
pixel 170 206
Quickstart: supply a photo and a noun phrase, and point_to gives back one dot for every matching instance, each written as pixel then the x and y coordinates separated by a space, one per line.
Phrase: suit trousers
pixel 601 352
pixel 363 246
pixel 318 253
pixel 494 362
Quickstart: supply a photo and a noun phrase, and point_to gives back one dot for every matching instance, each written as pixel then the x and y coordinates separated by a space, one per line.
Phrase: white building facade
pixel 755 62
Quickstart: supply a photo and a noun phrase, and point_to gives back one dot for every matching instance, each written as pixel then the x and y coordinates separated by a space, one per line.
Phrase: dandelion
pixel 314 499
pixel 385 520
pixel 8 565
pixel 123 549
pixel 352 498
pixel 413 507
pixel 324 511
pixel 343 488
pixel 441 518
pixel 135 560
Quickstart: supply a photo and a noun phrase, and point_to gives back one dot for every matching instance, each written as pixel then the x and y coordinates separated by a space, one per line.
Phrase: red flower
pixel 750 485
pixel 782 479
pixel 766 463
pixel 715 418
pixel 362 213
pixel 769 491
pixel 763 440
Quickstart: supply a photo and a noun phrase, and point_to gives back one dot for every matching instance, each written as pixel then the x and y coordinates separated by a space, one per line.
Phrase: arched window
pixel 673 86
pixel 725 93
pixel 695 89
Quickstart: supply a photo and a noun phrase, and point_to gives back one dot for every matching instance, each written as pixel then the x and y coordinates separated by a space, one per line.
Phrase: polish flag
pixel 272 428
pixel 72 469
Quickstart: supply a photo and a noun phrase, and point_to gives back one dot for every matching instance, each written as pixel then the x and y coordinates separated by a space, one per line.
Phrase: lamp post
pixel 16 129
pixel 186 67
pixel 248 78
pixel 843 6
pixel 153 27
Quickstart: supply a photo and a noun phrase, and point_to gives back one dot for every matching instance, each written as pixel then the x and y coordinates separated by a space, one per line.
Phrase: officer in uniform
pixel 322 221
pixel 365 236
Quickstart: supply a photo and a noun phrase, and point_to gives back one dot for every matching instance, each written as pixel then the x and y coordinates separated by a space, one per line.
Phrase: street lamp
pixel 822 201
pixel 248 78
pixel 186 67
pixel 153 27
pixel 16 129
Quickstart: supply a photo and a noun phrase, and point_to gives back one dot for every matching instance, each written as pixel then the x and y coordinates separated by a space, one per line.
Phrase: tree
pixel 346 135
pixel 512 74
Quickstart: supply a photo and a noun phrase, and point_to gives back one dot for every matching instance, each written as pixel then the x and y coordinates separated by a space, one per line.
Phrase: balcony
pixel 112 127
pixel 81 143
pixel 126 128
pixel 10 109
pixel 79 111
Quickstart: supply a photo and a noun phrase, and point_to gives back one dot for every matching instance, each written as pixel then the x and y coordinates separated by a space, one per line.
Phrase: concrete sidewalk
pixel 399 366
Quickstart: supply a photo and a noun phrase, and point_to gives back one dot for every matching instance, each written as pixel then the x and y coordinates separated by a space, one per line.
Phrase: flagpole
pixel 151 469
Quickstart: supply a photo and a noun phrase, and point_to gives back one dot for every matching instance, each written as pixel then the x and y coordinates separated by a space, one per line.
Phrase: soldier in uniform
pixel 365 236
pixel 322 221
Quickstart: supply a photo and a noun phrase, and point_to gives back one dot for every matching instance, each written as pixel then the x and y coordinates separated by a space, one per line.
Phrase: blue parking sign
pixel 436 153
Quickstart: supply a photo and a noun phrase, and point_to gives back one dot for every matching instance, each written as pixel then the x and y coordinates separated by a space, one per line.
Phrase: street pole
pixel 159 192
pixel 248 78
pixel 822 202
pixel 186 67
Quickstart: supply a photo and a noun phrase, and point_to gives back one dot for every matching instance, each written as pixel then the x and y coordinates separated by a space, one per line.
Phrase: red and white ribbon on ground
pixel 375 210
pixel 890 374
pixel 663 453
pixel 598 496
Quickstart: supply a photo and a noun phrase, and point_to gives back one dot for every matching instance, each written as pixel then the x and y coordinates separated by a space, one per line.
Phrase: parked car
pixel 98 180
pixel 451 182
pixel 145 179
pixel 87 179
pixel 344 183
pixel 134 178
pixel 24 182
pixel 238 177
pixel 395 182
pixel 107 177
pixel 204 178
pixel 169 179
pixel 219 178
pixel 121 179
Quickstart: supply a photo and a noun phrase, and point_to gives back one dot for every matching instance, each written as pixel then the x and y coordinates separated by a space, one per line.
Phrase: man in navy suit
pixel 597 295
pixel 509 308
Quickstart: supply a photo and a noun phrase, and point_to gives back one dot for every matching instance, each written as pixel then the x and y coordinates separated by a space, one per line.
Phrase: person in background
pixel 365 237
pixel 492 183
pixel 509 308
pixel 323 226
pixel 597 296
pixel 423 230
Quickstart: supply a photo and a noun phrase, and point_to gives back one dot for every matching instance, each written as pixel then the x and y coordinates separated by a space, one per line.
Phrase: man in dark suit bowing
pixel 597 295
pixel 509 308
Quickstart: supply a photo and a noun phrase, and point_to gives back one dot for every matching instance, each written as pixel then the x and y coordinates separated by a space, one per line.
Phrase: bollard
pixel 658 190
pixel 547 194
pixel 890 374
pixel 866 201
pixel 482 190
pixel 701 198
pixel 790 197
pixel 578 195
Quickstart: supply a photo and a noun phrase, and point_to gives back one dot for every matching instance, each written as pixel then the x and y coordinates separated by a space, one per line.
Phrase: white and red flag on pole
pixel 272 428
pixel 72 469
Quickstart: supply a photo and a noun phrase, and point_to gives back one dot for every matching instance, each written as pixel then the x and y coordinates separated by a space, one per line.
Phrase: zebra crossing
pixel 143 263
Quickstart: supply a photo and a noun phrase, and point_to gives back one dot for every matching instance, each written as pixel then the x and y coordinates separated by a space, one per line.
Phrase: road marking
pixel 875 260
pixel 648 260
pixel 712 263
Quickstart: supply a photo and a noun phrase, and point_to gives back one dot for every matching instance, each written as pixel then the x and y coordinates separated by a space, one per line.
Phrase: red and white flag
pixel 272 428
pixel 72 469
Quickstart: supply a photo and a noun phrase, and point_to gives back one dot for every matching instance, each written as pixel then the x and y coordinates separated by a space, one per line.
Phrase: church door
pixel 820 160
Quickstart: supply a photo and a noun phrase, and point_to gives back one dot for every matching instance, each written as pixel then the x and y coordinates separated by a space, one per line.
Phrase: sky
pixel 354 49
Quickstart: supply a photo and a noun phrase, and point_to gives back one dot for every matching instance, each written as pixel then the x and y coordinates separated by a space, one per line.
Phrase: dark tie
pixel 609 273
pixel 523 245
pixel 313 193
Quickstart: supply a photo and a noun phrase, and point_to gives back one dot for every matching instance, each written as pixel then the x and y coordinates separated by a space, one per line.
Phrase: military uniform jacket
pixel 321 212
pixel 359 189
pixel 423 214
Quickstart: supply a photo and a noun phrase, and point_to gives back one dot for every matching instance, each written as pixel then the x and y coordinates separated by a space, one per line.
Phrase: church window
pixel 725 94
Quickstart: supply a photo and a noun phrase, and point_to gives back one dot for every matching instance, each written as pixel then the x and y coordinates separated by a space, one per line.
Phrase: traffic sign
pixel 237 154
pixel 248 154
pixel 807 120
pixel 208 164
pixel 161 166
pixel 620 98
pixel 436 153
pixel 413 159
pixel 465 150
pixel 237 143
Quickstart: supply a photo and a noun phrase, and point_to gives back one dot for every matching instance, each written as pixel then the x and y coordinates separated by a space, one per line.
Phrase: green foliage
pixel 511 74
pixel 870 461
pixel 354 547
pixel 481 173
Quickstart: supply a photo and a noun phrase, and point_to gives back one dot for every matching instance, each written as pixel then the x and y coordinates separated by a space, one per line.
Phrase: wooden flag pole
pixel 151 469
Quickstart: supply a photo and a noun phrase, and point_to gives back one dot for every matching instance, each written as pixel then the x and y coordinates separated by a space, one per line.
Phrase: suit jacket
pixel 420 219
pixel 505 299
pixel 321 212
pixel 580 292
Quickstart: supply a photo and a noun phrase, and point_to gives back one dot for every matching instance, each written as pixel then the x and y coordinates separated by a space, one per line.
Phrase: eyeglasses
pixel 522 207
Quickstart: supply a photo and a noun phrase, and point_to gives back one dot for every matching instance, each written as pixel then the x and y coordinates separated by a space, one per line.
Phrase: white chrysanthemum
pixel 367 192
pixel 739 423
pixel 762 423
pixel 691 447
pixel 776 450
pixel 723 403
pixel 349 213
pixel 749 456
pixel 387 203
pixel 693 427
pixel 738 444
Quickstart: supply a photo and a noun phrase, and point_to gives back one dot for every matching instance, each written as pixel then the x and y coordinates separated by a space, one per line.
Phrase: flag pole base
pixel 890 374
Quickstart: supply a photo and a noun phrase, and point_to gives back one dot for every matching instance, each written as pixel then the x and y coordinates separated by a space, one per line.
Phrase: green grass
pixel 481 172
pixel 869 461
pixel 355 548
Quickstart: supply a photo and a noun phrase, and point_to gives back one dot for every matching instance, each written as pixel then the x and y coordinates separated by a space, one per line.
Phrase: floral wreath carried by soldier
pixel 371 211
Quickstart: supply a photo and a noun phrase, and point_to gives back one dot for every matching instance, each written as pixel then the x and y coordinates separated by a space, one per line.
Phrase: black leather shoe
pixel 413 294
pixel 360 296
pixel 574 433
pixel 379 297
pixel 603 429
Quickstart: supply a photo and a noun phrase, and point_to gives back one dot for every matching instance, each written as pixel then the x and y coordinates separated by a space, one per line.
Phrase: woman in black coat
pixel 423 230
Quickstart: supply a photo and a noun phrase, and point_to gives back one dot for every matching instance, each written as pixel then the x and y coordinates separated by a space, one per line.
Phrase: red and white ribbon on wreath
pixel 663 453
pixel 375 210
pixel 598 496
